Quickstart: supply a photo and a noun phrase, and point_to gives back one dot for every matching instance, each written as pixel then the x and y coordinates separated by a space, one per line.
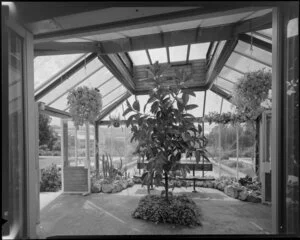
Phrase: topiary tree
pixel 168 130
pixel 85 105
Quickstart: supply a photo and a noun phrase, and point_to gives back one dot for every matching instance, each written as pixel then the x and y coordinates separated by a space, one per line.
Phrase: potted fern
pixel 85 104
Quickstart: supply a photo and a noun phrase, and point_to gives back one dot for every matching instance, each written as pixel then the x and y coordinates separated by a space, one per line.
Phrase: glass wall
pixel 291 123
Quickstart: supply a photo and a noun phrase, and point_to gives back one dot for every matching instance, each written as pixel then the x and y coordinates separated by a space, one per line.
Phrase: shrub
pixel 178 210
pixel 51 179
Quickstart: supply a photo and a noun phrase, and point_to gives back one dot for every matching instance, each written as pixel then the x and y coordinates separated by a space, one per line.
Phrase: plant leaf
pixel 191 106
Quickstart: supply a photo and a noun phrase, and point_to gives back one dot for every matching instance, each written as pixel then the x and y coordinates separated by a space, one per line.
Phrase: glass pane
pixel 158 54
pixel 266 32
pixel 224 84
pixel 258 53
pixel 291 126
pixel 46 67
pixel 245 64
pixel 198 100
pixel 74 79
pixel 139 57
pixel 230 74
pixel 178 53
pixel 94 81
pixel 198 51
pixel 213 102
pixel 227 106
pixel 261 37
pixel 16 128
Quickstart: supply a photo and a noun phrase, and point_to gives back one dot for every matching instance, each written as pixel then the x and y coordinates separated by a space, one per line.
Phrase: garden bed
pixel 179 210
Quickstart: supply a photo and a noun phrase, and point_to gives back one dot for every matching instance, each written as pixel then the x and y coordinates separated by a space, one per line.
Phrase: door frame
pixel 31 181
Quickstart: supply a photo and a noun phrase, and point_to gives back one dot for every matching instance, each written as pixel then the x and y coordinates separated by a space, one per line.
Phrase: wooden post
pixel 97 149
pixel 76 147
pixel 204 103
pixel 64 149
pixel 237 151
pixel 219 150
pixel 87 161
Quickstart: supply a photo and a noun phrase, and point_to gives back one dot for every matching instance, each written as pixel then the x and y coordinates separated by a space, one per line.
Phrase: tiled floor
pixel 110 214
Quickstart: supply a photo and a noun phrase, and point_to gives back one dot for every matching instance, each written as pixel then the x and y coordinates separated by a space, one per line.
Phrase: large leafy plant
pixel 250 91
pixel 85 104
pixel 168 131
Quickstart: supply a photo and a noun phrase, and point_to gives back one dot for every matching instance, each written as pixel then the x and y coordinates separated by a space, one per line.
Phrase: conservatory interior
pixel 120 51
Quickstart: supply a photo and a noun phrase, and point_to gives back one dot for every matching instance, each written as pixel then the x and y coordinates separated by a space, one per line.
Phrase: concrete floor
pixel 110 214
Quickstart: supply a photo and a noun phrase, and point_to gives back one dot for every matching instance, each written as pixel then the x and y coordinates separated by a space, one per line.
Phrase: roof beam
pixel 256 42
pixel 227 80
pixel 142 22
pixel 221 92
pixel 234 69
pixel 119 70
pixel 56 112
pixel 65 76
pixel 173 38
pixel 127 60
pixel 110 108
pixel 219 60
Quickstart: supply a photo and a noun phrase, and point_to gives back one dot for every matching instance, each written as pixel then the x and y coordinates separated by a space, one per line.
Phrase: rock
pixel 221 186
pixel 130 182
pixel 231 191
pixel 96 186
pixel 243 195
pixel 107 187
pixel 124 183
pixel 253 197
pixel 117 188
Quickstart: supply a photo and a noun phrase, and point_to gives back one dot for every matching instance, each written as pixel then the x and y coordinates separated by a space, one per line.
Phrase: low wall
pixel 75 179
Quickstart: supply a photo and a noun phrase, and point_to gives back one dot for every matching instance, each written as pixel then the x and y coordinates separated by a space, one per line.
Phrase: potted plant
pixel 85 105
pixel 114 121
pixel 168 130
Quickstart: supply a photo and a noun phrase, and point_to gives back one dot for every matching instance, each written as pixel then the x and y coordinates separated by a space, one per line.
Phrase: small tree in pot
pixel 168 131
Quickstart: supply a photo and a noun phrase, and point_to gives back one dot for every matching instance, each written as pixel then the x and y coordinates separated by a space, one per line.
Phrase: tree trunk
pixel 166 186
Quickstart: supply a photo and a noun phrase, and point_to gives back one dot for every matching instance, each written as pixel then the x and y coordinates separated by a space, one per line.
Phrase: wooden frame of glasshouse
pixel 56 28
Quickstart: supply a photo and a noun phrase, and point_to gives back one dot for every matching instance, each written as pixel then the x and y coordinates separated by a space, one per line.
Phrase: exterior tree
pixel 169 130
pixel 46 134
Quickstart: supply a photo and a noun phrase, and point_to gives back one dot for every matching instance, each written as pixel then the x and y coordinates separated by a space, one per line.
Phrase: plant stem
pixel 166 186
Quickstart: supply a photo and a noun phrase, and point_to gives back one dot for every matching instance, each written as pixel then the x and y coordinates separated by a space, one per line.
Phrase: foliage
pixel 180 210
pixel 114 121
pixel 246 180
pixel 51 179
pixel 250 91
pixel 47 136
pixel 109 171
pixel 85 104
pixel 224 118
pixel 169 130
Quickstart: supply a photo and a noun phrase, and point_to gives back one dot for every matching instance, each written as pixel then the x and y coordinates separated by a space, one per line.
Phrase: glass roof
pixel 178 53
pixel 158 54
pixel 48 67
pixel 244 58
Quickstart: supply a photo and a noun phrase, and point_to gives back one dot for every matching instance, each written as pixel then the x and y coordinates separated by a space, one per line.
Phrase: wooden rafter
pixel 119 70
pixel 114 105
pixel 256 42
pixel 173 38
pixel 65 76
pixel 56 112
pixel 147 21
pixel 69 89
pixel 219 61
pixel 220 92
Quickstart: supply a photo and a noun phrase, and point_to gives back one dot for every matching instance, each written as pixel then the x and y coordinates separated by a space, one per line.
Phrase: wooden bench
pixel 193 166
